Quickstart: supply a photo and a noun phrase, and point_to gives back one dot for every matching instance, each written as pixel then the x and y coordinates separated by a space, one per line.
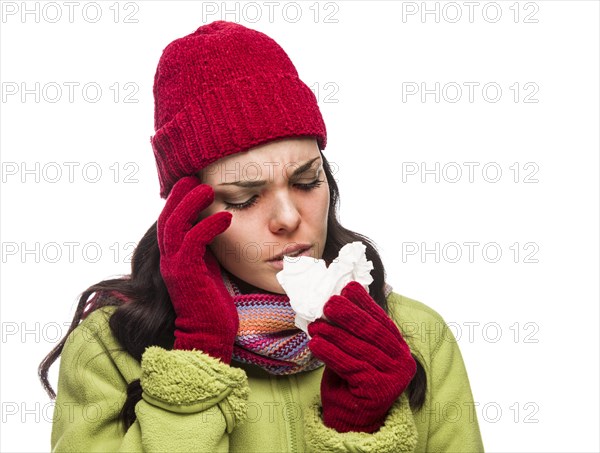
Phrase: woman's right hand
pixel 206 317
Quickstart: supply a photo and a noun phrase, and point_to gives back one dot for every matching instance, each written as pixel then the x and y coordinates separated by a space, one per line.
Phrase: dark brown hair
pixel 148 318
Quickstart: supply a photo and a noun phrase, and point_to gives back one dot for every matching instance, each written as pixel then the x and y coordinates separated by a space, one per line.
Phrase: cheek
pixel 228 245
pixel 314 212
pixel 225 242
pixel 326 204
pixel 319 207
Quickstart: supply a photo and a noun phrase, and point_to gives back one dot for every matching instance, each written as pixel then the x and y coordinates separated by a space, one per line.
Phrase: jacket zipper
pixel 286 390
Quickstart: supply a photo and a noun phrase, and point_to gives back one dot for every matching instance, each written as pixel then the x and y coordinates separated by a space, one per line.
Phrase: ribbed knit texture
pixel 221 90
pixel 267 336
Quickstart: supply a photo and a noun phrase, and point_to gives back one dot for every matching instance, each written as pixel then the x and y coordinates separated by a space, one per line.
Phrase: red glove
pixel 367 362
pixel 206 315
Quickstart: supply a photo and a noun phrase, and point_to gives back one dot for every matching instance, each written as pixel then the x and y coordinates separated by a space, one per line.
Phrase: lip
pixel 290 249
pixel 278 263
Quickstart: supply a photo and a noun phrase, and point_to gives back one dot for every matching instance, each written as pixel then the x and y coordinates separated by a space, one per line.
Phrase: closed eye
pixel 252 201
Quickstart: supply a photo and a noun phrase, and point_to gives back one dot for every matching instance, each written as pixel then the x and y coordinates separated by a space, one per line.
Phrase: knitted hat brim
pixel 206 129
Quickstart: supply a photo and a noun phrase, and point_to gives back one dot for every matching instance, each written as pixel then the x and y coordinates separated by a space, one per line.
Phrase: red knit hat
pixel 221 90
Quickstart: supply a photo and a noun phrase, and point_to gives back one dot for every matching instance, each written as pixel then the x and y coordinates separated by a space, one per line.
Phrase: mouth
pixel 292 252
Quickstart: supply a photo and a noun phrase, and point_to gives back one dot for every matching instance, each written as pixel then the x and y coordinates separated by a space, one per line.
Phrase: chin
pixel 278 290
pixel 266 283
pixel 270 287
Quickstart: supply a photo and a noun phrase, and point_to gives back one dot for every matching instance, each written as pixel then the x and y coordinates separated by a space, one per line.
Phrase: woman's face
pixel 279 197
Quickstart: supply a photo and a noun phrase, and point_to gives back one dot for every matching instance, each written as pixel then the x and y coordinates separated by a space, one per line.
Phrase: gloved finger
pixel 340 362
pixel 179 190
pixel 204 232
pixel 343 312
pixel 184 217
pixel 355 292
pixel 354 346
pixel 390 380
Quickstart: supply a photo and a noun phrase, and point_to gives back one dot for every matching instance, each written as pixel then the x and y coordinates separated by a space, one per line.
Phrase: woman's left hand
pixel 367 362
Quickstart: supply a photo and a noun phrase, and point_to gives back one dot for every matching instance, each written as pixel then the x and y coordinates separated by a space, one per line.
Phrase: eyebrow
pixel 298 171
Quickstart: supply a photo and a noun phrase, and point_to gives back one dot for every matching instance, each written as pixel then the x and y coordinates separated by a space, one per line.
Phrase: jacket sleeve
pixel 398 434
pixel 190 401
pixel 453 424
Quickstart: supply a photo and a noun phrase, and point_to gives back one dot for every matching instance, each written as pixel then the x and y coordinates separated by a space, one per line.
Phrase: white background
pixel 532 355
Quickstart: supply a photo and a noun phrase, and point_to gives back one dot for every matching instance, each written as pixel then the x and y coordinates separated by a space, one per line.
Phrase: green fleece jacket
pixel 192 402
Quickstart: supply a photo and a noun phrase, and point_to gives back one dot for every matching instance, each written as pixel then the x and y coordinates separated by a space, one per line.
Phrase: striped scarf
pixel 267 336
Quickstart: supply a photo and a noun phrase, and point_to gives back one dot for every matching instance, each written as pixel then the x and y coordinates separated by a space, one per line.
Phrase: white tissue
pixel 309 283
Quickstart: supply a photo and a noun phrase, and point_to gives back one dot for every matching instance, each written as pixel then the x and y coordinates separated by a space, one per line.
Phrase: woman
pixel 197 349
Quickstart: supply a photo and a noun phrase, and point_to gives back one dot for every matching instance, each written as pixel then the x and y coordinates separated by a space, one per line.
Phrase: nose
pixel 285 217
